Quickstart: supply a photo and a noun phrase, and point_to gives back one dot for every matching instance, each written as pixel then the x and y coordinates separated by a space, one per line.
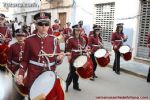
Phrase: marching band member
pixel 117 40
pixel 74 43
pixel 91 32
pixel 56 26
pixel 36 45
pixel 67 31
pixel 95 43
pixel 5 38
pixel 148 76
pixel 80 25
pixel 15 54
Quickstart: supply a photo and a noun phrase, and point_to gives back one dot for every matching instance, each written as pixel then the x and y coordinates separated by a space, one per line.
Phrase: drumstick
pixel 12 74
pixel 50 55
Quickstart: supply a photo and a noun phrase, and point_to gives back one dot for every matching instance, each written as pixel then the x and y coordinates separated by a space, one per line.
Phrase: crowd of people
pixel 37 50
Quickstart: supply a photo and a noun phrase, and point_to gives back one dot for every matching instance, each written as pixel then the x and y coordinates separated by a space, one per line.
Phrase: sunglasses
pixel 43 23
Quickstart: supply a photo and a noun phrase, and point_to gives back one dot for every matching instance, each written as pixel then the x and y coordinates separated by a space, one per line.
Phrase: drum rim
pixel 123 49
pixel 77 58
pixel 38 76
pixel 95 54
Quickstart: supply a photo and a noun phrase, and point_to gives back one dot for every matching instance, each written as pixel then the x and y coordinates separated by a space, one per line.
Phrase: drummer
pixel 67 32
pixel 35 45
pixel 95 43
pixel 74 43
pixel 148 76
pixel 5 38
pixel 117 40
pixel 15 54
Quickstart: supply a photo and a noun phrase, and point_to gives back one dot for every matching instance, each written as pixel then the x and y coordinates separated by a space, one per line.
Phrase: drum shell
pixel 127 56
pixel 22 90
pixel 53 94
pixel 87 70
pixel 103 61
pixel 3 54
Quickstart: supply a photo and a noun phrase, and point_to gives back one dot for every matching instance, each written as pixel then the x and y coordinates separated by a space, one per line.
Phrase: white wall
pixel 84 11
pixel 124 12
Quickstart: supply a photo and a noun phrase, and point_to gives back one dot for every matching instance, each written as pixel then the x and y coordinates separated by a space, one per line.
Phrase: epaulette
pixel 31 35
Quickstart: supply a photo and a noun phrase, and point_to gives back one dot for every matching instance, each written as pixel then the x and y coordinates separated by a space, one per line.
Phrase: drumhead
pixel 80 61
pixel 43 84
pixel 100 53
pixel 124 49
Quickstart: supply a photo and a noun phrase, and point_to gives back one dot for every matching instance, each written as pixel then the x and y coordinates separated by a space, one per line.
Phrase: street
pixel 107 84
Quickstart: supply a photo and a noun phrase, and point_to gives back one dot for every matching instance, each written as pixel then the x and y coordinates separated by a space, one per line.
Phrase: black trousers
pixel 72 76
pixel 148 76
pixel 94 64
pixel 116 65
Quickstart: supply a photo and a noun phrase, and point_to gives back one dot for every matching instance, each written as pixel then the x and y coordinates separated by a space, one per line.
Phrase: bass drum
pixel 84 66
pixel 3 54
pixel 102 57
pixel 126 51
pixel 48 84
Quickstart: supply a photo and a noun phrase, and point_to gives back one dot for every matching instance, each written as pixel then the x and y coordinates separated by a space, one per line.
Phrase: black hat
pixel 2 15
pixel 96 27
pixel 42 16
pixel 56 21
pixel 75 27
pixel 80 22
pixel 20 32
pixel 68 23
pixel 120 24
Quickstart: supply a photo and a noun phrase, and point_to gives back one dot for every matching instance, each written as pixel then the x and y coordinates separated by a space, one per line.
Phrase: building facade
pixel 135 14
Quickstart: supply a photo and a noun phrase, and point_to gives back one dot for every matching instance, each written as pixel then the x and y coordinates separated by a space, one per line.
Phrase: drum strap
pixel 96 45
pixel 14 62
pixel 41 64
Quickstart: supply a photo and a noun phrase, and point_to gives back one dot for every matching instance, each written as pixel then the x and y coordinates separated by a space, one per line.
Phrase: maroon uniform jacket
pixel 67 33
pixel 91 33
pixel 149 42
pixel 82 29
pixel 55 27
pixel 7 34
pixel 15 53
pixel 73 45
pixel 95 43
pixel 35 64
pixel 117 40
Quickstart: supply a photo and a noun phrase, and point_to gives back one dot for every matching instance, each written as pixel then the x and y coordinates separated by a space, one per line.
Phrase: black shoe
pixel 118 72
pixel 78 89
pixel 95 76
pixel 92 79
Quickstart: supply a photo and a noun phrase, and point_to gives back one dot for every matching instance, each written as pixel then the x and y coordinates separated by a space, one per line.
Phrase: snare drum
pixel 48 84
pixel 126 51
pixel 84 66
pixel 102 57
